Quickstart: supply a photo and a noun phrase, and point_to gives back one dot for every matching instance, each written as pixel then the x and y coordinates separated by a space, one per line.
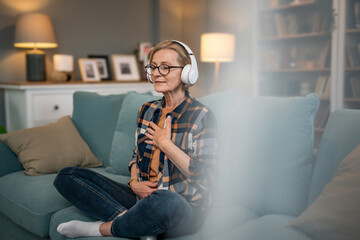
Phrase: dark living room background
pixel 106 27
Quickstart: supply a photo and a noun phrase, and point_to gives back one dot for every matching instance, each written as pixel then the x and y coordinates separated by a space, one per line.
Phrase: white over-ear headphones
pixel 190 73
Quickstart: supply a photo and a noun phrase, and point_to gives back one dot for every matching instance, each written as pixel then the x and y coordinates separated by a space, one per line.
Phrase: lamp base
pixel 35 66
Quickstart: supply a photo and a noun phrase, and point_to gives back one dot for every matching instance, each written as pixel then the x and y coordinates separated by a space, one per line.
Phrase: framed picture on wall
pixel 103 66
pixel 144 50
pixel 125 67
pixel 89 70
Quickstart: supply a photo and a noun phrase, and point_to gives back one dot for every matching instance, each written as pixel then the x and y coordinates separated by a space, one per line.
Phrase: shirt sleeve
pixel 203 161
pixel 133 159
pixel 134 155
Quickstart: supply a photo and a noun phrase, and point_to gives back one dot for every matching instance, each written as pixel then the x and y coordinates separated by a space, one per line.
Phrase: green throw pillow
pixel 335 214
pixel 123 142
pixel 49 148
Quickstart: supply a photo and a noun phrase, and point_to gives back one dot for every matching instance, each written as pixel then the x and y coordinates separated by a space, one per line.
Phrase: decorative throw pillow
pixel 49 148
pixel 123 142
pixel 335 214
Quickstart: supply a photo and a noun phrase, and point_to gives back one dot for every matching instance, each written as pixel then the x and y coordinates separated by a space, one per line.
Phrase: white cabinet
pixel 34 104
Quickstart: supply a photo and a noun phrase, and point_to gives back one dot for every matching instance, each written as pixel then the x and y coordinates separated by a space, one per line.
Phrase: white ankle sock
pixel 148 238
pixel 77 228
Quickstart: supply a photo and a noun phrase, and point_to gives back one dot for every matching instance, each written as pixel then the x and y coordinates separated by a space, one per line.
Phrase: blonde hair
pixel 183 56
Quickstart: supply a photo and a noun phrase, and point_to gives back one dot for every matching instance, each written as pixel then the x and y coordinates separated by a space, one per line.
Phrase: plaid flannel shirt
pixel 193 130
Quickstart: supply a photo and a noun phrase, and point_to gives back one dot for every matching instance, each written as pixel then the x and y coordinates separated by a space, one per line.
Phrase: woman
pixel 172 165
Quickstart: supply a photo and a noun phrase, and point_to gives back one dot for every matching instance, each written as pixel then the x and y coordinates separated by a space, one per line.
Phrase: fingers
pixel 154 126
pixel 154 184
pixel 151 131
pixel 149 136
pixel 151 184
pixel 168 123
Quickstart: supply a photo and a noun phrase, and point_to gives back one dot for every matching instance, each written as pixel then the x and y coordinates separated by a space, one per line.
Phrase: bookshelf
pixel 351 84
pixel 294 42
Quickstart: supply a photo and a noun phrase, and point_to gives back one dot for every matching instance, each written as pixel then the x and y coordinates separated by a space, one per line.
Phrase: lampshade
pixel 34 30
pixel 217 47
pixel 63 63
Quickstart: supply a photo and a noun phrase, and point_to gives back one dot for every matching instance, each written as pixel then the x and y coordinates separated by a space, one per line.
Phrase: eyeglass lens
pixel 163 69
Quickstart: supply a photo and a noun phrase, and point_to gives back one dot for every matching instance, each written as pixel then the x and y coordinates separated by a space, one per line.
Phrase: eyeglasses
pixel 163 69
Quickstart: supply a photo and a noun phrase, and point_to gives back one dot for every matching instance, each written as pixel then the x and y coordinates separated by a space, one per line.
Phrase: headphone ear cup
pixel 149 78
pixel 193 77
pixel 185 74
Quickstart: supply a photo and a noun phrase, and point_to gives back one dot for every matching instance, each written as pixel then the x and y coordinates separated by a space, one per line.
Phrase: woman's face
pixel 172 81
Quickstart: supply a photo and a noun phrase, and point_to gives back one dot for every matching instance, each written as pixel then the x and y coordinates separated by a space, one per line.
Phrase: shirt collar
pixel 179 110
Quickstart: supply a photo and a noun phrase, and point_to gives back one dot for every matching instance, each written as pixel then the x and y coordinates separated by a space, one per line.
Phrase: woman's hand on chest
pixel 157 136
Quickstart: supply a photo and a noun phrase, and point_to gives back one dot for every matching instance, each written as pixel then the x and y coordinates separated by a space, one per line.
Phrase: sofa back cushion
pixel 95 118
pixel 265 154
pixel 9 162
pixel 123 142
pixel 341 136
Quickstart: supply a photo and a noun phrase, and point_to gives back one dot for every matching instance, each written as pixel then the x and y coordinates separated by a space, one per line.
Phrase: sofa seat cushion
pixel 29 201
pixel 223 218
pixel 270 227
pixel 10 231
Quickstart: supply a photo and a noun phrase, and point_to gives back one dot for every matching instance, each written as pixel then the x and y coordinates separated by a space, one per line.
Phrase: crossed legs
pixel 120 214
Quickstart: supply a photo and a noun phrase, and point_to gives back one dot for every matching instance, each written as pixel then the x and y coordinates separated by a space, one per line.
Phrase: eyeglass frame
pixel 158 67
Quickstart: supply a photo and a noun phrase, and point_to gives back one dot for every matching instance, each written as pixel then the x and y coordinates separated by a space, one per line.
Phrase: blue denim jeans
pixel 163 213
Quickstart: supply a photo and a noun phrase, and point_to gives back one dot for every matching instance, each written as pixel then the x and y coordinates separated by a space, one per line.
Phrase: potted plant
pixel 2 129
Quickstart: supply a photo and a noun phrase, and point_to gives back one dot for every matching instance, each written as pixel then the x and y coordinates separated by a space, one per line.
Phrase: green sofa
pixel 267 173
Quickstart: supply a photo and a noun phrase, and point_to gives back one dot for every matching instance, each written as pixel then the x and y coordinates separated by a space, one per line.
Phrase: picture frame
pixel 125 67
pixel 144 50
pixel 89 70
pixel 103 66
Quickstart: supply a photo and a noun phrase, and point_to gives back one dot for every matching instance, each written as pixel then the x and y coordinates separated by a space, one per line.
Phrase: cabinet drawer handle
pixel 56 107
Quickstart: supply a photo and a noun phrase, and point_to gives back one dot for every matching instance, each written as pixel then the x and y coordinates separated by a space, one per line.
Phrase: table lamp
pixel 217 47
pixel 34 30
pixel 64 64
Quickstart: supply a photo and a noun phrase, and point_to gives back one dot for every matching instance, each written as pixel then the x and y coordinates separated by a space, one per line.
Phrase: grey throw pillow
pixel 335 214
pixel 49 148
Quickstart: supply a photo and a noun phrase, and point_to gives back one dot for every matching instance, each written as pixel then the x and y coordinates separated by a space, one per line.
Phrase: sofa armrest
pixel 8 161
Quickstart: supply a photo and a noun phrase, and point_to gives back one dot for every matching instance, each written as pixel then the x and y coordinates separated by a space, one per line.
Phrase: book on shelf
pixel 316 23
pixel 280 24
pixel 353 56
pixel 271 60
pixel 324 56
pixel 357 14
pixel 274 3
pixel 322 117
pixel 322 87
pixel 354 83
pixel 268 26
pixel 327 89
